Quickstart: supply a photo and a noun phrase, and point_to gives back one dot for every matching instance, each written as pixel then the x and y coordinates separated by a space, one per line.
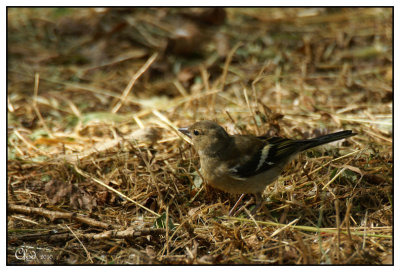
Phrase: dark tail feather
pixel 327 139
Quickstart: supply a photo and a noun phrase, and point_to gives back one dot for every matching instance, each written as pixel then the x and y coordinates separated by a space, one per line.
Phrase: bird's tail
pixel 307 144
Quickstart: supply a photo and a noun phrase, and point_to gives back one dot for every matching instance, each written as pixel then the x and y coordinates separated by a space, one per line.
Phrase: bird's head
pixel 208 137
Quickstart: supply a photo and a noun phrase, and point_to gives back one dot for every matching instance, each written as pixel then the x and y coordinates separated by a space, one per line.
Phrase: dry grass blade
pixel 80 242
pixel 35 97
pixel 363 233
pixel 170 125
pixel 134 78
pixel 86 175
pixel 333 179
pixel 283 228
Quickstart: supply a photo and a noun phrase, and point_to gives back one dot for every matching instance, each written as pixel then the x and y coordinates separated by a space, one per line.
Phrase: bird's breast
pixel 218 175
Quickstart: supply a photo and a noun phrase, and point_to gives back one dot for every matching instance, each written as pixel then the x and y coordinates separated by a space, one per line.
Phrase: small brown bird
pixel 242 164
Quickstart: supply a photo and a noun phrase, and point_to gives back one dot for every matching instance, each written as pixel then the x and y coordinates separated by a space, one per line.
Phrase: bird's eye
pixel 196 132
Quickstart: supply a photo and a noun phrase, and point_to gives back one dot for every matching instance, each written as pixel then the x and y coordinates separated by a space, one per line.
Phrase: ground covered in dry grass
pixel 97 173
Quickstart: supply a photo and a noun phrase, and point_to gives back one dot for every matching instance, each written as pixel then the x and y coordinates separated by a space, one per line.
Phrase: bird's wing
pixel 274 152
pixel 277 151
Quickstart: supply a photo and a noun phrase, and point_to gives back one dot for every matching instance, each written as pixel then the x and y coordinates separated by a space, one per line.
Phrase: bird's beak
pixel 185 131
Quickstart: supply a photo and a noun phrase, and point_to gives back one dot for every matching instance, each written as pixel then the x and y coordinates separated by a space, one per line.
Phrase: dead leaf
pixel 58 191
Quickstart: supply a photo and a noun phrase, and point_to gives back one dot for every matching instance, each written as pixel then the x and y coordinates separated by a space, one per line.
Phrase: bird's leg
pixel 251 201
pixel 236 204
pixel 259 202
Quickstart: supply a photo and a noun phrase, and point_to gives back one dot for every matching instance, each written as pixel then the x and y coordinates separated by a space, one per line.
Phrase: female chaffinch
pixel 246 163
